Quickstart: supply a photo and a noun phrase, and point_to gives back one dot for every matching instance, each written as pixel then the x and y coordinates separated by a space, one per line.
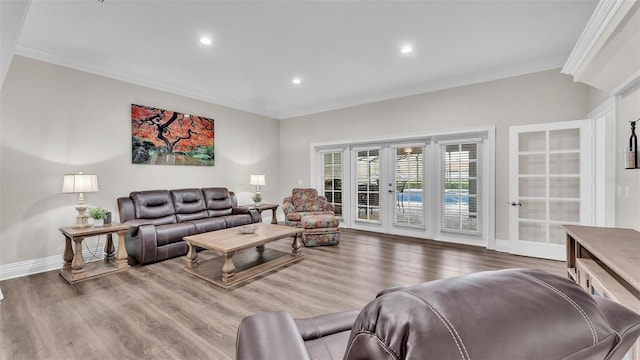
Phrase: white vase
pixel 98 222
pixel 257 203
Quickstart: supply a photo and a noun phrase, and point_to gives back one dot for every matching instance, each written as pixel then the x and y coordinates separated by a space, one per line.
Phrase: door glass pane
pixel 568 139
pixel 557 235
pixel 332 176
pixel 564 163
pixel 532 141
pixel 532 164
pixel 532 186
pixel 408 186
pixel 535 232
pixel 564 187
pixel 368 183
pixel 564 210
pixel 460 185
pixel 533 209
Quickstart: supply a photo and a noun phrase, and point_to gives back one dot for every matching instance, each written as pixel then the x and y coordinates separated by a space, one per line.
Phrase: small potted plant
pixel 257 199
pixel 98 215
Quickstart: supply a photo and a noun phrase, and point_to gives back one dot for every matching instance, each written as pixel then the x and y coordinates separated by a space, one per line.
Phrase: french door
pixel 550 185
pixel 388 186
pixel 430 186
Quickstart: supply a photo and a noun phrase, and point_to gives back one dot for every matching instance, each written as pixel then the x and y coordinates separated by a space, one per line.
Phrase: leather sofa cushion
pixel 154 204
pixel 167 234
pixel 189 204
pixel 452 318
pixel 209 224
pixel 217 201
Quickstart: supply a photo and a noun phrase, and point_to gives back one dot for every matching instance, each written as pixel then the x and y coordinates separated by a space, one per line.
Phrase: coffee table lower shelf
pixel 248 264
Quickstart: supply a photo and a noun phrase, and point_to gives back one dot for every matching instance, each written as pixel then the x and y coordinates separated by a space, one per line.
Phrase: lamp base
pixel 81 222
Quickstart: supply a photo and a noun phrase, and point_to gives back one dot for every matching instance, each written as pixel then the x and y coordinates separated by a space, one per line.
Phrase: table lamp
pixel 257 180
pixel 80 183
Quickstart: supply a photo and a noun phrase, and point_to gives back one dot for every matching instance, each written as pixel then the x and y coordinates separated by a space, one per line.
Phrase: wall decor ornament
pixel 631 152
pixel 164 137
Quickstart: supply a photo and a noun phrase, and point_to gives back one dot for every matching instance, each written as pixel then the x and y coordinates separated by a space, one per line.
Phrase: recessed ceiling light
pixel 406 49
pixel 205 40
pixel 296 81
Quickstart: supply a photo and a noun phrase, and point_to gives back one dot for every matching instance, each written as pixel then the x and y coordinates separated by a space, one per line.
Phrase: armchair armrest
pixel 317 327
pixel 325 204
pixel 270 336
pixel 287 205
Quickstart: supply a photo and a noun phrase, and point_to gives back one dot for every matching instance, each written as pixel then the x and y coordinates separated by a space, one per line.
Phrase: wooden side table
pixel 263 207
pixel 74 268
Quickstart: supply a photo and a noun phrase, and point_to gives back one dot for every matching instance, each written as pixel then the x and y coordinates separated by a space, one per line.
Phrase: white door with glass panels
pixel 388 189
pixel 550 167
pixel 461 188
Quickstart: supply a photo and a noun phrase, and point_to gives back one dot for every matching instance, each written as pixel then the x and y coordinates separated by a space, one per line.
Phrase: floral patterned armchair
pixel 304 202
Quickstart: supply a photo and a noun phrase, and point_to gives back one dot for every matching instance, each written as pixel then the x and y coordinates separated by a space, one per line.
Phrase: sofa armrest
pixel 255 215
pixel 240 210
pixel 269 336
pixel 317 327
pixel 142 244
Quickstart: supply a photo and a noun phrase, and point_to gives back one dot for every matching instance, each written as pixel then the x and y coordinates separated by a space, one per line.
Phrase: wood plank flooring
pixel 159 311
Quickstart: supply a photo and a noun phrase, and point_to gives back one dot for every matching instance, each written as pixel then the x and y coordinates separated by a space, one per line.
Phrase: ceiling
pixel 345 52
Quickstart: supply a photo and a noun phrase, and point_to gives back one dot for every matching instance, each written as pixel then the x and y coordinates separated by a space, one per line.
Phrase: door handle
pixel 513 203
pixel 390 191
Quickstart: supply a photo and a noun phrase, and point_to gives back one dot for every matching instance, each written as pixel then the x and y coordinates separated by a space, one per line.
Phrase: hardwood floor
pixel 159 311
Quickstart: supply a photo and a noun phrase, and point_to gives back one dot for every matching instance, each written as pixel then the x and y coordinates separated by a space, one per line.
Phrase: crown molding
pixel 33 52
pixel 549 63
pixel 544 64
pixel 605 18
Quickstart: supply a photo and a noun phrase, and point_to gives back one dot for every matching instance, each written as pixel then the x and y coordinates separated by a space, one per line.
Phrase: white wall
pixel 535 98
pixel 56 121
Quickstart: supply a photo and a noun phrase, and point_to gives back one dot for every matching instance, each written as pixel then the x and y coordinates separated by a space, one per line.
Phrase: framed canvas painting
pixel 164 137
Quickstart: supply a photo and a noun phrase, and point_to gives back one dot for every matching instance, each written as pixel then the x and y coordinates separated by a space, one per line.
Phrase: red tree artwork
pixel 167 137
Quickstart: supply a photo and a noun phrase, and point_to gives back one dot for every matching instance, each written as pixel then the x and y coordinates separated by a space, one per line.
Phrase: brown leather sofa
pixel 507 314
pixel 160 219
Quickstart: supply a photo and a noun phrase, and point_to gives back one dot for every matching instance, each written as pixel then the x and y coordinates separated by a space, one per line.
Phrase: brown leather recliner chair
pixel 507 314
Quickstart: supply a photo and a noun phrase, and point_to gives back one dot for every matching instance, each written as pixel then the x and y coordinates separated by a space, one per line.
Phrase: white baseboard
pixel 35 266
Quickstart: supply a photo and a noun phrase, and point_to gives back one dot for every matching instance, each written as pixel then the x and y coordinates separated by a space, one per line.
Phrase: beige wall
pixel 535 98
pixel 56 120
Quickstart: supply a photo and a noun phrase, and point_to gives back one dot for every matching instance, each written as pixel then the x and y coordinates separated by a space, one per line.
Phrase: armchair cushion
pixel 308 200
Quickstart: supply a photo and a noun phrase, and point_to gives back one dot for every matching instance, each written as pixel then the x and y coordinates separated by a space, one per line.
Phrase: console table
pixel 606 262
pixel 74 268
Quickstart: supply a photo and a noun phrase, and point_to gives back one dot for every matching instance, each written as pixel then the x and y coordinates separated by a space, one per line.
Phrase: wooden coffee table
pixel 244 256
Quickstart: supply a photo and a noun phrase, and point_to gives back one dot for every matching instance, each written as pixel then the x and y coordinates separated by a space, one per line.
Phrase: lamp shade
pixel 257 179
pixel 80 183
